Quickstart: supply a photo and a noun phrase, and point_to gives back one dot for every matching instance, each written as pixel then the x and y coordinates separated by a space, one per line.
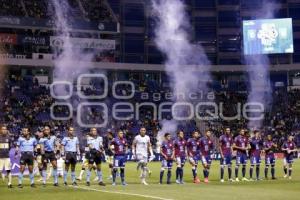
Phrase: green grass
pixel 279 189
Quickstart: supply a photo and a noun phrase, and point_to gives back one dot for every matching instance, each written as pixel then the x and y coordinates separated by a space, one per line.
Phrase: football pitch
pixel 265 189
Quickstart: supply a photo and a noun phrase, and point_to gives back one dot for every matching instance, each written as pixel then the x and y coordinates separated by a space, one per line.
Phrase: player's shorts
pixel 255 160
pixel 119 161
pixel 180 160
pixel 206 160
pixel 142 158
pixel 167 164
pixel 288 159
pixel 71 158
pixel 241 159
pixel 194 159
pixel 226 160
pixel 94 157
pixel 5 164
pixel 27 158
pixel 270 160
pixel 49 156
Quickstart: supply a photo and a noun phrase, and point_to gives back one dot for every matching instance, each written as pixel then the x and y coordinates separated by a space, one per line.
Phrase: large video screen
pixel 268 36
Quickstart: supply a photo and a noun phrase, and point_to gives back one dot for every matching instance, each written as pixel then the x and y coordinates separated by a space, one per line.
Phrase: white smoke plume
pixel 259 66
pixel 172 37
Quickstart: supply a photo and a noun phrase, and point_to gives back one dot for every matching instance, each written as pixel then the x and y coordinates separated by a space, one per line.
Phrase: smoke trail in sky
pixel 172 37
pixel 259 66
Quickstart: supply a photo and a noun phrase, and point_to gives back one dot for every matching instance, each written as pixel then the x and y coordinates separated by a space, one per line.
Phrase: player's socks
pixel 99 175
pixel 9 177
pixel 257 171
pixel 31 177
pixel 122 174
pixel 55 176
pixel 266 171
pixel 177 173
pixel 65 176
pixel 244 171
pixel 290 172
pixel 81 173
pixel 285 170
pixel 181 175
pixel 44 175
pixel 194 170
pixel 169 174
pixel 161 175
pixel 236 171
pixel 114 175
pixel 73 176
pixel 20 178
pixel 205 174
pixel 273 171
pixel 222 172
pixel 88 175
pixel 229 172
pixel 251 172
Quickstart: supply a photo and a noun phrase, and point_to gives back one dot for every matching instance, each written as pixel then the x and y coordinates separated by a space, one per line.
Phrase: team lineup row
pixel 178 150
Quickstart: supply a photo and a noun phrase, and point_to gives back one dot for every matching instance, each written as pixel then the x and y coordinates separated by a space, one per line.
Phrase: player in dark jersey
pixel 109 154
pixel 180 155
pixel 241 145
pixel 269 147
pixel 289 148
pixel 206 148
pixel 194 154
pixel 225 148
pixel 119 148
pixel 5 146
pixel 256 147
pixel 168 156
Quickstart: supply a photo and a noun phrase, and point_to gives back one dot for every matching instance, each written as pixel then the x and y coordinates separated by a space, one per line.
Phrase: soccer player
pixel 94 155
pixel 269 147
pixel 241 144
pixel 85 162
pixel 180 155
pixel 167 153
pixel 26 145
pixel 289 148
pixel 225 147
pixel 48 148
pixel 194 154
pixel 110 156
pixel 206 148
pixel 70 148
pixel 5 146
pixel 256 147
pixel 141 147
pixel 119 147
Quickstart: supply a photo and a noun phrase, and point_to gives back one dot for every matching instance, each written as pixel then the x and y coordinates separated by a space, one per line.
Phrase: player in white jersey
pixel 141 148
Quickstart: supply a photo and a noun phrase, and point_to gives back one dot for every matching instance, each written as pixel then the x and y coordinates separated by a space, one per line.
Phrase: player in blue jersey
pixel 70 149
pixel 270 160
pixel 49 146
pixel 241 145
pixel 168 156
pixel 180 155
pixel 26 146
pixel 94 156
pixel 256 148
pixel 206 149
pixel 119 147
pixel 225 148
pixel 289 148
pixel 193 151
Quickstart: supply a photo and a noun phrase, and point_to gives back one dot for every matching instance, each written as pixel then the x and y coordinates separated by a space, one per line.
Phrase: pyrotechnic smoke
pixel 259 65
pixel 172 37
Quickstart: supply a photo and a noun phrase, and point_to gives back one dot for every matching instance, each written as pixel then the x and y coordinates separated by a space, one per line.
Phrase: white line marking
pixel 124 193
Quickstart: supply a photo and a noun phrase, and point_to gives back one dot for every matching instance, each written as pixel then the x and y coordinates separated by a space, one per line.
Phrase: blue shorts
pixel 270 160
pixel 180 161
pixel 288 159
pixel 119 161
pixel 226 160
pixel 167 164
pixel 206 160
pixel 255 160
pixel 241 159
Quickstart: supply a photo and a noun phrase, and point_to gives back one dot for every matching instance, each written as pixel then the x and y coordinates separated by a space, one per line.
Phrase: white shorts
pixel 5 164
pixel 142 158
